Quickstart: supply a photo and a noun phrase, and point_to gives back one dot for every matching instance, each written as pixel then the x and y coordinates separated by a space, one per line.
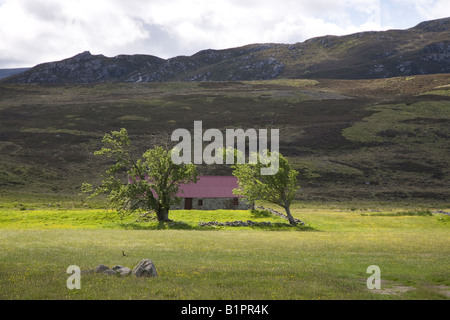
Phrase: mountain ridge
pixel 423 49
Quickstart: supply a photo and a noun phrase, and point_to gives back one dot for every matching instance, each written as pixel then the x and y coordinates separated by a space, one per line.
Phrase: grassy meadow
pixel 327 258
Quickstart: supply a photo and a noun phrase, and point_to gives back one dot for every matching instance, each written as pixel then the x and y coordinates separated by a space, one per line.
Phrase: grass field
pixel 325 259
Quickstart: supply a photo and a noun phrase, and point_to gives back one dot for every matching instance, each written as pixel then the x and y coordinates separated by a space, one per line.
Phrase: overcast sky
pixel 36 31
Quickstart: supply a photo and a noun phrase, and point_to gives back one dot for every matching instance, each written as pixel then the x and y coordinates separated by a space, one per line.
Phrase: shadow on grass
pixel 261 214
pixel 174 225
pixel 180 225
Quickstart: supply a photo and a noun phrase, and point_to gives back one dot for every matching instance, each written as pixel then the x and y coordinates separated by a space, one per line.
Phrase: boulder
pixel 110 272
pixel 145 268
pixel 101 268
pixel 115 268
pixel 124 271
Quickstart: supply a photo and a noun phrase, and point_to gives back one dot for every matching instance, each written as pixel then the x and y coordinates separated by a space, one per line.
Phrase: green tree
pixel 148 183
pixel 279 188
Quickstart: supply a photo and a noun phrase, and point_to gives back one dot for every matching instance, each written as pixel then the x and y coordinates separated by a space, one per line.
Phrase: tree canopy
pixel 279 188
pixel 150 182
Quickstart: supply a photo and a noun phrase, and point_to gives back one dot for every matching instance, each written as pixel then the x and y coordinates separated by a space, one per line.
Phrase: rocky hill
pixel 423 49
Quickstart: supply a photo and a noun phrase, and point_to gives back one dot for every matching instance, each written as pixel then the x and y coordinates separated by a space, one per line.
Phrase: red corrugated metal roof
pixel 210 187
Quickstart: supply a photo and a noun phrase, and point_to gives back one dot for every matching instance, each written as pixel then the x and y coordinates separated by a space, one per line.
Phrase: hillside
pixel 423 49
pixel 384 139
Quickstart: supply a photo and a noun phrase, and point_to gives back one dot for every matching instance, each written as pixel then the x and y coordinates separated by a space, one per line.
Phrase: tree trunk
pixel 163 215
pixel 289 216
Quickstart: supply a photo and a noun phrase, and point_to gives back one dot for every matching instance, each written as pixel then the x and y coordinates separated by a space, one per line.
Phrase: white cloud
pixel 34 31
pixel 428 9
pixel 222 24
pixel 44 30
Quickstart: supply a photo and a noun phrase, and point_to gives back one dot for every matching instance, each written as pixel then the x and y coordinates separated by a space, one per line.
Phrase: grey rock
pixel 145 268
pixel 110 272
pixel 442 212
pixel 124 271
pixel 116 270
pixel 247 223
pixel 101 268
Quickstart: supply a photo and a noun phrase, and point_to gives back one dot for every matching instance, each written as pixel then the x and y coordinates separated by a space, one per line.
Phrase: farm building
pixel 211 193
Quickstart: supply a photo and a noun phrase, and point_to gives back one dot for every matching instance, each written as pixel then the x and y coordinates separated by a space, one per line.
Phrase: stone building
pixel 211 193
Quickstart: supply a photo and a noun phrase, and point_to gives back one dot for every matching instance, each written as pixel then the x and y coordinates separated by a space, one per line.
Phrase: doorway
pixel 188 203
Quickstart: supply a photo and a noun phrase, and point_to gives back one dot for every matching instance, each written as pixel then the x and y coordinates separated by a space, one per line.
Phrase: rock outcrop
pixel 145 268
pixel 423 49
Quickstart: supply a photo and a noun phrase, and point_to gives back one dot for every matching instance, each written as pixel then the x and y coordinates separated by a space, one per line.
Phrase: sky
pixel 37 31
